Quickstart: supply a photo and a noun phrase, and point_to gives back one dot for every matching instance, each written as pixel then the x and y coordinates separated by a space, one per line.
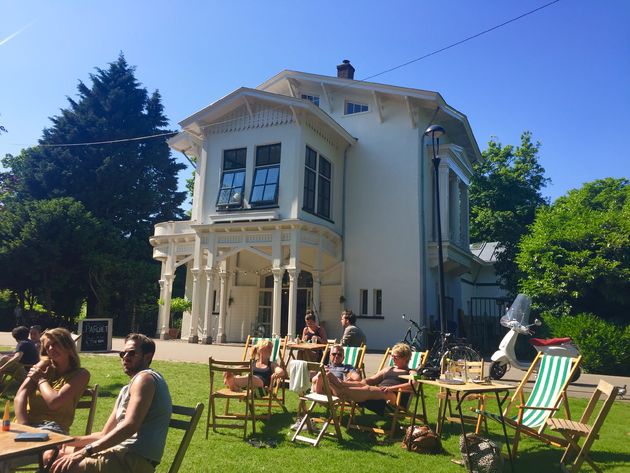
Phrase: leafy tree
pixel 577 257
pixel 504 195
pixel 132 184
pixel 126 183
pixel 47 249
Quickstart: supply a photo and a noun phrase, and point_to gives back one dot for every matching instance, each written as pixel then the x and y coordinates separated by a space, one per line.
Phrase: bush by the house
pixel 604 346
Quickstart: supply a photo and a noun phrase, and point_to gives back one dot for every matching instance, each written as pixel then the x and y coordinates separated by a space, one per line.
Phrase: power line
pixel 108 142
pixel 437 51
pixel 433 53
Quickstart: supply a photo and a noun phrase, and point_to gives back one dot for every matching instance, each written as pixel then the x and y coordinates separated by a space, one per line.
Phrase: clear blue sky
pixel 562 73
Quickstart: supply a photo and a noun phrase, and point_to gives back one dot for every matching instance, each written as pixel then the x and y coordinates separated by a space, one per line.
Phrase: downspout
pixel 422 317
pixel 343 223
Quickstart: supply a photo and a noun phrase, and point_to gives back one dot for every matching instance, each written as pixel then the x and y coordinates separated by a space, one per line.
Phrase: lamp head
pixel 434 131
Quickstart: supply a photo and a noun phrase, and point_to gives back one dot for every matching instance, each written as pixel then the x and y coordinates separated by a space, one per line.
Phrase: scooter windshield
pixel 518 311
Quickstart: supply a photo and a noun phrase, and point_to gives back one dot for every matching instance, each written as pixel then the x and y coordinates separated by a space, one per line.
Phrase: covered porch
pixel 248 276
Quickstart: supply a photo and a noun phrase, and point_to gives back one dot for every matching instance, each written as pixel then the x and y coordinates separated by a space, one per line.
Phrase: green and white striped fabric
pixel 553 374
pixel 414 362
pixel 276 346
pixel 351 355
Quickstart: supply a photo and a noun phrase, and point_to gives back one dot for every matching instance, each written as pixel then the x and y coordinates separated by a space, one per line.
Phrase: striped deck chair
pixel 354 356
pixel 402 410
pixel 276 392
pixel 550 389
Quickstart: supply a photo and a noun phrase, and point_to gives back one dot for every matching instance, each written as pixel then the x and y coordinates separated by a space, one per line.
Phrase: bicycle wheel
pixel 461 352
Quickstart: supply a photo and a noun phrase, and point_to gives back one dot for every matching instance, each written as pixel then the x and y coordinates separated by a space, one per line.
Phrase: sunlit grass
pixel 226 451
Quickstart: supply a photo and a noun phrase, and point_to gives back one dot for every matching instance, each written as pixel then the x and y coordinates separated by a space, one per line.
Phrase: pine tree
pixel 128 184
pixel 132 184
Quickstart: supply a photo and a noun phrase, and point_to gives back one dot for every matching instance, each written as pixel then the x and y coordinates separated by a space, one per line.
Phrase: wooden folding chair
pixel 554 374
pixel 276 392
pixel 402 410
pixel 13 375
pixel 188 425
pixel 330 404
pixel 88 401
pixel 572 431
pixel 217 391
pixel 354 356
pixel 461 369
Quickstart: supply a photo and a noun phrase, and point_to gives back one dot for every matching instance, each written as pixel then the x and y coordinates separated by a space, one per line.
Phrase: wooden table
pixel 461 391
pixel 10 449
pixel 309 348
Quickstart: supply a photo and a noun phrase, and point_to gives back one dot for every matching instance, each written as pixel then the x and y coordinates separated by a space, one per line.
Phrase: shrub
pixel 604 346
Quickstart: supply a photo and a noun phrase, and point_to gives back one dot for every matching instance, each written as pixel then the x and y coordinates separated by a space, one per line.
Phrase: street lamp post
pixel 435 131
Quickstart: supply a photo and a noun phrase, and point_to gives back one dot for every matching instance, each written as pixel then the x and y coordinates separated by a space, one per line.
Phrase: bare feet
pixel 228 380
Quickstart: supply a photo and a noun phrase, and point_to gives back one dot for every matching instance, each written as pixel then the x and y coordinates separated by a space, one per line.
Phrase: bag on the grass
pixel 485 455
pixel 421 439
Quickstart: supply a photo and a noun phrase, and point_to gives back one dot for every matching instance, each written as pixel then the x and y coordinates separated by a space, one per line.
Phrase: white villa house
pixel 316 192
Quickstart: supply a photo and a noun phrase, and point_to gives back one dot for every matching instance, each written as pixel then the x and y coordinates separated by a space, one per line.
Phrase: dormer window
pixel 311 98
pixel 266 176
pixel 232 179
pixel 355 107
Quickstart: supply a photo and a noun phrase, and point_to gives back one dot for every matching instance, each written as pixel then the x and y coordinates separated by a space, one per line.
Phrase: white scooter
pixel 515 319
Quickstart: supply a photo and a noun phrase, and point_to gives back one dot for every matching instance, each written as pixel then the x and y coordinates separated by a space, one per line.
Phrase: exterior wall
pixel 381 240
pixel 288 135
pixel 241 313
pixel 334 154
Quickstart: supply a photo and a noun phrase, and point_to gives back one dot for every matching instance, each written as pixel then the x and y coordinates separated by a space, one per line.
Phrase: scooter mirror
pixel 537 323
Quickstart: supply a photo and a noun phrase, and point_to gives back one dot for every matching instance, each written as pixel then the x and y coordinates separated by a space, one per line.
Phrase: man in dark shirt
pixel 338 368
pixel 353 336
pixel 25 354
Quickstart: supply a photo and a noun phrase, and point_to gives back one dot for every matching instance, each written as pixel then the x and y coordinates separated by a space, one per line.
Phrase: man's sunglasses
pixel 337 353
pixel 124 354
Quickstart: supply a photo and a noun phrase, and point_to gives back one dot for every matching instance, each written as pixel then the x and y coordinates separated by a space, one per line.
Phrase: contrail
pixel 10 37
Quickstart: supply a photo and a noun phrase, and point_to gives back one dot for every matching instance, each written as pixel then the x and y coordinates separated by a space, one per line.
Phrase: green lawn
pixel 226 451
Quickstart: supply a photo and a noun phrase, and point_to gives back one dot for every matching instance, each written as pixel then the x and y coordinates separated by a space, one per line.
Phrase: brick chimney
pixel 345 70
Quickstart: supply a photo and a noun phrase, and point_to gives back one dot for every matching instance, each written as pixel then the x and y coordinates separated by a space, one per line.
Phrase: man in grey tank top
pixel 134 436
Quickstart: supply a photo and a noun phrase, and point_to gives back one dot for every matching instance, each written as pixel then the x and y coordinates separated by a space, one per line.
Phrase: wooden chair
pixel 354 356
pixel 550 390
pixel 188 425
pixel 217 391
pixel 328 401
pixel 461 369
pixel 88 401
pixel 572 431
pixel 264 399
pixel 402 410
pixel 14 373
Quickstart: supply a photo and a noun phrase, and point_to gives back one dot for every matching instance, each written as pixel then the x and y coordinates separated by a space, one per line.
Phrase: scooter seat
pixel 547 342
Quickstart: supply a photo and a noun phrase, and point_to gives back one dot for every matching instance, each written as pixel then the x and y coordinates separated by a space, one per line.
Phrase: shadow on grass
pixel 110 390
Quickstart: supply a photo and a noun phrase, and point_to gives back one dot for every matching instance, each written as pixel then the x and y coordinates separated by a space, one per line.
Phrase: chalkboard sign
pixel 96 334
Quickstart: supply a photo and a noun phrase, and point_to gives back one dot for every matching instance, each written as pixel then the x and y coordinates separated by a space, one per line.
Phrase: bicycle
pixel 446 346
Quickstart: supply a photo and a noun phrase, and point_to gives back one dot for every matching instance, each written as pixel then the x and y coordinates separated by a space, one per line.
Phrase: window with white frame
pixel 378 301
pixel 363 302
pixel 266 176
pixel 355 107
pixel 317 184
pixel 311 98
pixel 232 179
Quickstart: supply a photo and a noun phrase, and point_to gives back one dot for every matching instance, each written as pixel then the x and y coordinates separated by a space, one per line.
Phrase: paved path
pixel 179 350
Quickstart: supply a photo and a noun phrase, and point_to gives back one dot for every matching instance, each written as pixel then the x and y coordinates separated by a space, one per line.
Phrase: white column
pixel 465 215
pixel 161 327
pixel 193 335
pixel 444 199
pixel 206 337
pixel 276 309
pixel 222 306
pixel 316 294
pixel 291 327
pixel 194 311
pixel 454 210
pixel 166 314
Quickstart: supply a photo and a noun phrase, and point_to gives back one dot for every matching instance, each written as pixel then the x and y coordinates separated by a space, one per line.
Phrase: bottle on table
pixel 6 420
